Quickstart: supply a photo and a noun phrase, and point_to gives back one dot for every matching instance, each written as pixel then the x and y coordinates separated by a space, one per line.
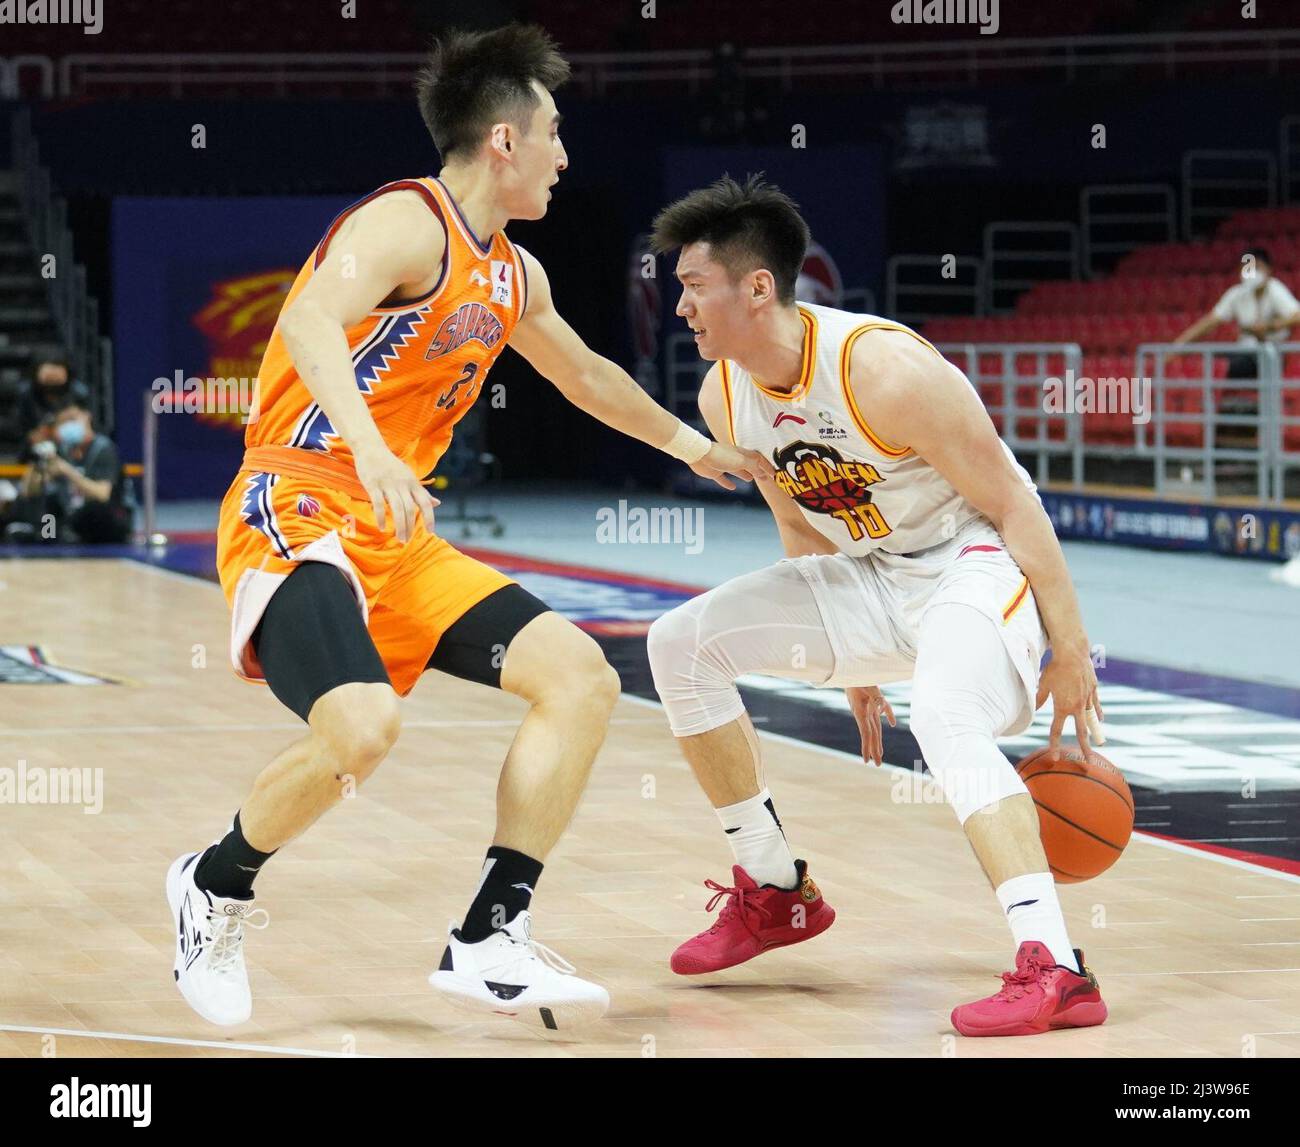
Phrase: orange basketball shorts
pixel 409 594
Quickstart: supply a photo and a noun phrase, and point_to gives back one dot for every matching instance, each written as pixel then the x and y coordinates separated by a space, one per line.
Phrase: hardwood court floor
pixel 1196 957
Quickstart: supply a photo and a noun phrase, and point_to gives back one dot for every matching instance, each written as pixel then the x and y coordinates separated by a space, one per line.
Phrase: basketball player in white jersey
pixel 916 547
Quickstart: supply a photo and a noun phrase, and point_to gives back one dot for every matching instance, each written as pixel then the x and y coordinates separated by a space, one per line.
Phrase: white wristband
pixel 688 445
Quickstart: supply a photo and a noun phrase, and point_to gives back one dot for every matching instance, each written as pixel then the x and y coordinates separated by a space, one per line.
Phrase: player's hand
pixel 1071 681
pixel 389 480
pixel 722 460
pixel 869 706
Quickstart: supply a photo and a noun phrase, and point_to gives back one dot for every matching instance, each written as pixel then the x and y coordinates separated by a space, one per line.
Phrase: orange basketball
pixel 1085 810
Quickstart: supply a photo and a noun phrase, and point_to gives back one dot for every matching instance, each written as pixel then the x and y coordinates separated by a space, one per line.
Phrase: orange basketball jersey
pixel 420 364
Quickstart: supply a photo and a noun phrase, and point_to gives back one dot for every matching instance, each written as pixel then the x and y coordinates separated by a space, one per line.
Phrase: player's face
pixel 539 159
pixel 712 305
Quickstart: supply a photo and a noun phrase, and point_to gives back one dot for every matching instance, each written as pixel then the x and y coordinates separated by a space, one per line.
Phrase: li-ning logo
pixel 86 12
pixel 469 321
pixel 784 417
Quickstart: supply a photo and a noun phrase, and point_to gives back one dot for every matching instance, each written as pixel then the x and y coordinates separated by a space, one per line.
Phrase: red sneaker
pixel 753 920
pixel 1038 996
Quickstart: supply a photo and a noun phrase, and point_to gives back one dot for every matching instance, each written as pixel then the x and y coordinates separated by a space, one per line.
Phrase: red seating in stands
pixel 1155 293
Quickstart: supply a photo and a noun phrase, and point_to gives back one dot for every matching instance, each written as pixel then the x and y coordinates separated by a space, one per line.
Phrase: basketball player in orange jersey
pixel 916 547
pixel 341 593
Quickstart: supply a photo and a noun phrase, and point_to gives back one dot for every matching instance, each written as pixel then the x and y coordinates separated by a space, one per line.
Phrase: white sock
pixel 757 841
pixel 1034 913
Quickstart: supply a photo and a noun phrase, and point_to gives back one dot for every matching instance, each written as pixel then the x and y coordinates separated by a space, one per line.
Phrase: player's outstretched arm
pixel 797 536
pixel 607 392
pixel 384 247
pixel 918 400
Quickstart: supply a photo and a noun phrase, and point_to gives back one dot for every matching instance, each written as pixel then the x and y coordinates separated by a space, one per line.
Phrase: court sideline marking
pixel 220 1044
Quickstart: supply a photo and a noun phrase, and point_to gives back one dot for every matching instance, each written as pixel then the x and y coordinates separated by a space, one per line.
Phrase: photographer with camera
pixel 49 390
pixel 73 490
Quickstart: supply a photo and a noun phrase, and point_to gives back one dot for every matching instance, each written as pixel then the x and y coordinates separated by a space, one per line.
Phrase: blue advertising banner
pixel 198 284
pixel 1264 532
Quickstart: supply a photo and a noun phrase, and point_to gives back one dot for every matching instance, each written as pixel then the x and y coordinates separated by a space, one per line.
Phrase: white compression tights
pixel 965 689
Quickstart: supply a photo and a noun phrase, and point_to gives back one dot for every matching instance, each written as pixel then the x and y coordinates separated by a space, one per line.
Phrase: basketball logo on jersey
pixel 308 507
pixel 821 480
pixel 502 280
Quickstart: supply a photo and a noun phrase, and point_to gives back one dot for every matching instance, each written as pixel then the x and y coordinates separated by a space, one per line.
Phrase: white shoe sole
pixel 175 890
pixel 556 1014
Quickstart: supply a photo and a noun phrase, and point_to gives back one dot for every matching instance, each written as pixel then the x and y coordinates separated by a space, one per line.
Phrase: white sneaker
pixel 511 974
pixel 209 967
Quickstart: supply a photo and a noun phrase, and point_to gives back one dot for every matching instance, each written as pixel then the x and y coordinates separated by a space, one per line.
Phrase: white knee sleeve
pixel 964 693
pixel 764 622
pixel 694 682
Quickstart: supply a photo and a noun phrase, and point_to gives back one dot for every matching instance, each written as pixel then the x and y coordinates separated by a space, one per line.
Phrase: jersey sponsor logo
pixel 830 430
pixel 785 417
pixel 503 274
pixel 821 480
pixel 468 321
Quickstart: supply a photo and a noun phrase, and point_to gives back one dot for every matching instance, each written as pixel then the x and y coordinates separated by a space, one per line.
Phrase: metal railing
pixel 11 78
pixel 74 311
pixel 1116 218
pixel 1002 366
pixel 1229 424
pixel 1018 255
pixel 969 59
pixel 906 292
pixel 1285 441
pixel 684 371
pixel 1174 437
pixel 1288 147
pixel 860 300
pixel 1217 184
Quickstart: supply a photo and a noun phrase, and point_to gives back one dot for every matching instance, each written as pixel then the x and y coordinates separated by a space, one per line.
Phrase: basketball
pixel 1085 810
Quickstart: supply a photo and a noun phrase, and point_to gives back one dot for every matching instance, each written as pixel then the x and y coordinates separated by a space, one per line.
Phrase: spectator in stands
pixel 73 490
pixel 1261 306
pixel 48 391
pixel 1264 310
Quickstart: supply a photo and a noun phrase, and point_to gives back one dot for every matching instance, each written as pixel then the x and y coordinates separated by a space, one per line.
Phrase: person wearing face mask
pixel 1261 306
pixel 1264 311
pixel 50 389
pixel 73 490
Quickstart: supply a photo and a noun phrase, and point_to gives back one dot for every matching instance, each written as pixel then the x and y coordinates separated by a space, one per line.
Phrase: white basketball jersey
pixel 859 491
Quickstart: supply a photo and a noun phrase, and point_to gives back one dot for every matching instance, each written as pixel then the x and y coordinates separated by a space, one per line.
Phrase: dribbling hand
pixel 1071 681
